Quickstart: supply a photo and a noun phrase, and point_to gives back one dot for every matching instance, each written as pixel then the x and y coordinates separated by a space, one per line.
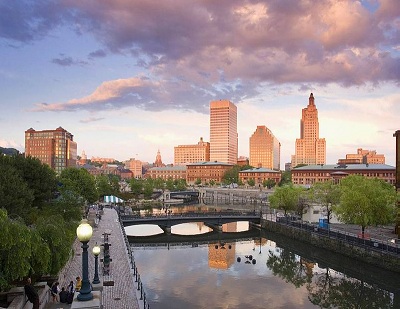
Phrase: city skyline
pixel 129 78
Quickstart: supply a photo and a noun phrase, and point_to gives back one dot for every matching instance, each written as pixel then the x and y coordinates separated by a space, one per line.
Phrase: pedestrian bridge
pixel 214 220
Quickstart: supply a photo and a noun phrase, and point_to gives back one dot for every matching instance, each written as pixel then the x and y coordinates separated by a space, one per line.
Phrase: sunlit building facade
pixel 55 148
pixel 136 167
pixel 206 172
pixel 223 132
pixel 308 175
pixel 363 157
pixel 184 154
pixel 265 149
pixel 310 149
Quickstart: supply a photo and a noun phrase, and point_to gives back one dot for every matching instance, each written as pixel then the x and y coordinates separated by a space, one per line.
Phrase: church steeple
pixel 158 162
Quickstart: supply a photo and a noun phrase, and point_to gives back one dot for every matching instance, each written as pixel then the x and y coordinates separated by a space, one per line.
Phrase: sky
pixel 128 78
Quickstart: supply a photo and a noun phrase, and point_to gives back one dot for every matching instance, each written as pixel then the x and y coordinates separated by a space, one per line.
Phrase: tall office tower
pixel 184 154
pixel 223 132
pixel 265 149
pixel 310 149
pixel 53 147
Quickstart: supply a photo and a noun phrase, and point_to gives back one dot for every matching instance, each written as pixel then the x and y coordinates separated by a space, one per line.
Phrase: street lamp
pixel 84 233
pixel 96 252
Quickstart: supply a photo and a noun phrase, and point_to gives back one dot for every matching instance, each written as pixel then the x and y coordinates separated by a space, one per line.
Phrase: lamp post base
pixel 94 303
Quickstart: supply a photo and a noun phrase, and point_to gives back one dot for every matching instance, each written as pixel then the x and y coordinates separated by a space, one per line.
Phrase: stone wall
pixel 380 259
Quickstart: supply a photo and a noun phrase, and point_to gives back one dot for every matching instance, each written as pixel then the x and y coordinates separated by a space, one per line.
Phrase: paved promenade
pixel 123 294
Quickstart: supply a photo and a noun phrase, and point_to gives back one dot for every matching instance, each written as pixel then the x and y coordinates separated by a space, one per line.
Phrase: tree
pixel 79 183
pixel 269 183
pixel 366 202
pixel 103 185
pixel 197 182
pixel 286 198
pixel 286 178
pixel 232 175
pixel 251 182
pixel 136 186
pixel 15 195
pixel 327 194
pixel 170 184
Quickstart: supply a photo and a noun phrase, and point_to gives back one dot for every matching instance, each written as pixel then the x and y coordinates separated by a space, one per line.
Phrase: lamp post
pixel 96 252
pixel 84 233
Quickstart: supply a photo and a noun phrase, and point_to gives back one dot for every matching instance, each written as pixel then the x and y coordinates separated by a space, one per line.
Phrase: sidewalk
pixel 122 294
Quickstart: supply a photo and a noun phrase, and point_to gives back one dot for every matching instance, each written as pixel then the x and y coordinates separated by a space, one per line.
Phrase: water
pixel 273 272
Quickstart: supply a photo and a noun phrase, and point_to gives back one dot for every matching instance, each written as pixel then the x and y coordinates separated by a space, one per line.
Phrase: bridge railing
pixel 232 213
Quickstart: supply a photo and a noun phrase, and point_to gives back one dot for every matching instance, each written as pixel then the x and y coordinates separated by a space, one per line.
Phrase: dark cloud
pixel 67 61
pixel 100 53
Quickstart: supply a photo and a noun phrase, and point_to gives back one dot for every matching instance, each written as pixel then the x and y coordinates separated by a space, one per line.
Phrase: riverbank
pixel 378 258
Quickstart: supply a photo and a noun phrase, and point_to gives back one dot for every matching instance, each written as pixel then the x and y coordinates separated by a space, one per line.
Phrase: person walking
pixel 31 294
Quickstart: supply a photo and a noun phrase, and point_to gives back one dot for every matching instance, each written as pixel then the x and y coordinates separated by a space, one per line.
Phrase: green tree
pixel 15 249
pixel 136 186
pixel 79 183
pixel 286 198
pixel 159 183
pixel 251 182
pixel 327 194
pixel 170 184
pixel 15 195
pixel 103 185
pixel 40 178
pixel 366 202
pixel 286 178
pixel 148 189
pixel 197 182
pixel 269 183
pixel 181 184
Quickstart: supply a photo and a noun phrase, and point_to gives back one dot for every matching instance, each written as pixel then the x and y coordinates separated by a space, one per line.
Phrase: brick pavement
pixel 123 294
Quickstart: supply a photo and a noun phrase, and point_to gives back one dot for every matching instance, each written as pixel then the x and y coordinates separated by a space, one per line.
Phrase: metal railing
pixel 138 281
pixel 370 243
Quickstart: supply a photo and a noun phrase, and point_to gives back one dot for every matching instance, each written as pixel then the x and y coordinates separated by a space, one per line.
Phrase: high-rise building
pixel 223 132
pixel 265 149
pixel 310 149
pixel 184 154
pixel 53 147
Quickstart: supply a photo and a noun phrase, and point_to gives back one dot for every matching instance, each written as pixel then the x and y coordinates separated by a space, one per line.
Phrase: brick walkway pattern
pixel 123 294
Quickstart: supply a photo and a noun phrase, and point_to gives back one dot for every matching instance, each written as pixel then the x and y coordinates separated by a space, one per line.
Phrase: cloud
pixel 91 119
pixel 67 61
pixel 100 53
pixel 211 49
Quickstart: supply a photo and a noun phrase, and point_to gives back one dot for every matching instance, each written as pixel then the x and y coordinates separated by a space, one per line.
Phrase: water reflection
pixel 204 271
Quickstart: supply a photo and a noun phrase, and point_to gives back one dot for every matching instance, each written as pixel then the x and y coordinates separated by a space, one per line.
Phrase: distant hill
pixel 9 151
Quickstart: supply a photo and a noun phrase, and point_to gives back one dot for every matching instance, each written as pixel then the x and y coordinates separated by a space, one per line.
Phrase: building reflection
pixel 221 255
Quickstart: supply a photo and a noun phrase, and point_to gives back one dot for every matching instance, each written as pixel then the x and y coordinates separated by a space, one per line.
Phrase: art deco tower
pixel 310 149
pixel 223 132
pixel 264 149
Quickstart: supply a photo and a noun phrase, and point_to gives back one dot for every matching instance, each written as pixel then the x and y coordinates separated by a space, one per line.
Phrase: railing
pixel 377 245
pixel 233 213
pixel 136 274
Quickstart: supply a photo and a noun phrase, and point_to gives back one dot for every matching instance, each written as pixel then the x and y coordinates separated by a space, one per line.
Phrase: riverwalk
pixel 119 289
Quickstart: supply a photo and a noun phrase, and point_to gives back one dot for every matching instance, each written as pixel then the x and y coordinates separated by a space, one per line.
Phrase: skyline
pixel 129 78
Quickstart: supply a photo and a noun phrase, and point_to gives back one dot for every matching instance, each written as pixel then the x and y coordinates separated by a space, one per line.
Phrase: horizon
pixel 129 78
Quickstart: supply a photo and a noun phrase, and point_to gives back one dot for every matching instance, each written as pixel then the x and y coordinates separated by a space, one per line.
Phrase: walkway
pixel 123 294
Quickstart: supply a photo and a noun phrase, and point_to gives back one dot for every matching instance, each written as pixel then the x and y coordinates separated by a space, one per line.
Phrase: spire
pixel 311 99
pixel 158 162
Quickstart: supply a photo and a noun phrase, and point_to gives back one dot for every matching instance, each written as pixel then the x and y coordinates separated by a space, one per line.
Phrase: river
pixel 255 270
